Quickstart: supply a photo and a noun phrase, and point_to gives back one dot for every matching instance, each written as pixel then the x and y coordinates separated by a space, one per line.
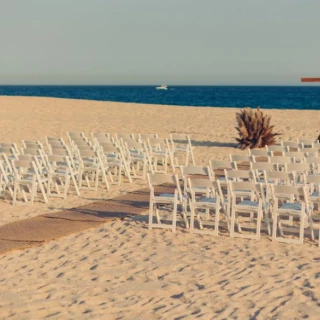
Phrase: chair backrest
pixel 55 143
pixel 144 136
pixel 259 153
pixel 280 190
pixel 100 139
pixel 133 144
pixel 10 145
pixel 205 183
pixel 306 142
pixel 195 170
pixel 180 138
pixel 88 154
pixel 279 177
pixel 59 151
pixel 56 158
pixel 246 186
pixel 291 145
pixel 209 185
pixel 84 147
pixel 313 160
pixel 25 167
pixel 240 158
pixel 316 145
pixel 237 175
pixel 160 178
pixel 296 155
pixel 124 136
pixel 6 163
pixel 102 135
pixel 312 178
pixel 280 160
pixel 23 157
pixel 159 143
pixel 27 144
pixel 262 166
pixel 276 148
pixel 8 151
pixel 297 167
pixel 220 164
pixel 310 152
pixel 32 152
pixel 76 136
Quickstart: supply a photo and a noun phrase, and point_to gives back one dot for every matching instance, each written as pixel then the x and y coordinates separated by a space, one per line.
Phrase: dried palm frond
pixel 254 129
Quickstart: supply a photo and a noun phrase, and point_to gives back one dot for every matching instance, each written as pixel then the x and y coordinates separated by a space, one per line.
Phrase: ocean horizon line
pixel 267 97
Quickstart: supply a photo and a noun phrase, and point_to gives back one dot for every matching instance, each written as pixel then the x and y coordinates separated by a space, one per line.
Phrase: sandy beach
pixel 124 271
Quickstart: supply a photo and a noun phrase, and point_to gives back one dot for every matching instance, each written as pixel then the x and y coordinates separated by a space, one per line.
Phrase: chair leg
pixel 233 217
pixel 150 214
pixel 192 218
pixel 174 218
pixel 301 235
pixel 274 226
pixel 259 219
pixel 216 223
pixel 43 192
pixel 15 191
pixel 75 185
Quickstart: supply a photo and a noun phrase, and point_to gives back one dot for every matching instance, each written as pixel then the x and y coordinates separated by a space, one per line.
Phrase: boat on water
pixel 162 87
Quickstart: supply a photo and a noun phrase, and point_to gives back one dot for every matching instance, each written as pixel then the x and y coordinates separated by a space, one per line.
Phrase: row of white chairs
pixel 58 165
pixel 266 202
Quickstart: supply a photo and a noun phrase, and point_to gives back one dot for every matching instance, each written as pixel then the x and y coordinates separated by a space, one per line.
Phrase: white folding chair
pixel 27 176
pixel 164 199
pixel 137 154
pixel 210 198
pixel 60 175
pixel 114 159
pixel 90 169
pixel 298 208
pixel 160 154
pixel 181 144
pixel 250 210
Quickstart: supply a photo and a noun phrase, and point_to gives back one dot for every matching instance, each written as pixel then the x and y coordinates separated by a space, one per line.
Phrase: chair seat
pixel 197 189
pixel 248 203
pixel 315 196
pixel 206 202
pixel 167 198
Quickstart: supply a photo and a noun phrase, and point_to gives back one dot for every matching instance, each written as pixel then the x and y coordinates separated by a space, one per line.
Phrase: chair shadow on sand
pixel 196 143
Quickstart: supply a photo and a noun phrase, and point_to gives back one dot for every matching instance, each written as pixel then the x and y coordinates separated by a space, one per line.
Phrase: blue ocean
pixel 267 97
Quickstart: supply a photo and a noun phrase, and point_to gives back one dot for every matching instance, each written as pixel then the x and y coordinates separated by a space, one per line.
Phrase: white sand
pixel 122 270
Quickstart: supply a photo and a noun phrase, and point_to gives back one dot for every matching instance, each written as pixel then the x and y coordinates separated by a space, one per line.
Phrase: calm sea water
pixel 223 96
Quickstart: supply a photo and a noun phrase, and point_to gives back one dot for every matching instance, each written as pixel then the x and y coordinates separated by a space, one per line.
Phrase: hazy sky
pixel 159 41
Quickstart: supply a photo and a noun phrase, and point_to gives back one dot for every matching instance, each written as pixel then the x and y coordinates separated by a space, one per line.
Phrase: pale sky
pixel 208 42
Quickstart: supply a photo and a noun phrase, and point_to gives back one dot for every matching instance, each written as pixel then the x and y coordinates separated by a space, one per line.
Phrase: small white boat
pixel 162 87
